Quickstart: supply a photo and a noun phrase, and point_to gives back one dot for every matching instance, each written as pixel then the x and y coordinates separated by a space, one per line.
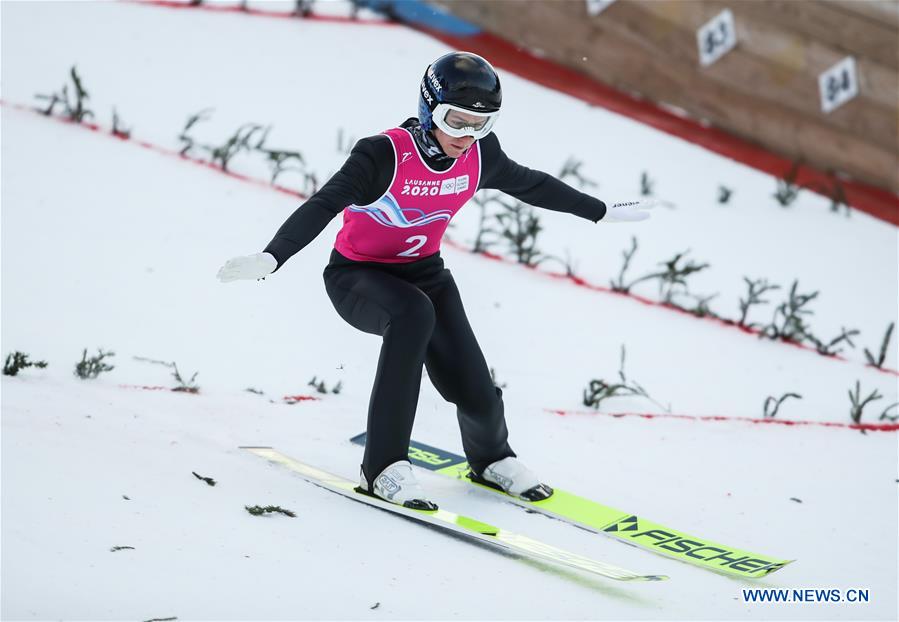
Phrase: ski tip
pixel 774 569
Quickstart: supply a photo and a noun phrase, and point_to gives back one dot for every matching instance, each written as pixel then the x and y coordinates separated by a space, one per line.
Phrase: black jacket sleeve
pixel 533 187
pixel 362 179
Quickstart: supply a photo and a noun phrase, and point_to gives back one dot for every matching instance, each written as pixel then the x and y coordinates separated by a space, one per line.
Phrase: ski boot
pixel 397 484
pixel 512 477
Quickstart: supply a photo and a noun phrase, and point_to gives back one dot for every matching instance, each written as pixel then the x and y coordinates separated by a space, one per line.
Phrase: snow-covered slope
pixel 108 245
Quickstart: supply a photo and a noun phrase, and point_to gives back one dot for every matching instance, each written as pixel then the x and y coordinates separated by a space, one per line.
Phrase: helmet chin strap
pixel 428 143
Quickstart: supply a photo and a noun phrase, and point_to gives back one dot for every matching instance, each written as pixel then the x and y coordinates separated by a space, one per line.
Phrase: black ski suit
pixel 415 307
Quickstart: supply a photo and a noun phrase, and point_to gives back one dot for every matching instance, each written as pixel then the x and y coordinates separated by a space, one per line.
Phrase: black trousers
pixel 416 309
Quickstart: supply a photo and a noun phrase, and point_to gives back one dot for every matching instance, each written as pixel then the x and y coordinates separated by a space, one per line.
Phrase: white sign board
pixel 838 84
pixel 716 37
pixel 595 7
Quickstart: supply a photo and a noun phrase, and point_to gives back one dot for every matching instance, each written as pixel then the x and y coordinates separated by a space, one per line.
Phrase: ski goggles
pixel 459 122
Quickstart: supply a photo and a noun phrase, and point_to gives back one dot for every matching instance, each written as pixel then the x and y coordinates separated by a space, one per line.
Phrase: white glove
pixel 628 211
pixel 248 267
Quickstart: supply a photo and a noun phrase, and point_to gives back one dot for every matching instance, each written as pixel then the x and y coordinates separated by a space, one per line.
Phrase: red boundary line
pixel 157 149
pixel 213 8
pixel 579 282
pixel 287 399
pixel 873 427
pixel 295 399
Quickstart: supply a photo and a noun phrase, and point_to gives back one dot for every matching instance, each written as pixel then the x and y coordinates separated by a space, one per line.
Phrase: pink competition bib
pixel 408 221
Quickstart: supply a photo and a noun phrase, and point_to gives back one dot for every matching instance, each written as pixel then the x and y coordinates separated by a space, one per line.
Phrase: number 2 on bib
pixel 419 241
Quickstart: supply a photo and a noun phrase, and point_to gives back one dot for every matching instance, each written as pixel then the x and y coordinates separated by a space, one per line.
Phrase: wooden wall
pixel 764 90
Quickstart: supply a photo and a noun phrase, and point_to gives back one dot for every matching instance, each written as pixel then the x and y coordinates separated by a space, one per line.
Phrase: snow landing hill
pixel 109 245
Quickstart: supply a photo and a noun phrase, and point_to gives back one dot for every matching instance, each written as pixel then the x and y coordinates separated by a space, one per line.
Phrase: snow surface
pixel 108 245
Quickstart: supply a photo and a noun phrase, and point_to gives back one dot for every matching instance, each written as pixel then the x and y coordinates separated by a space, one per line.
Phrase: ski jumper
pixel 386 277
pixel 391 281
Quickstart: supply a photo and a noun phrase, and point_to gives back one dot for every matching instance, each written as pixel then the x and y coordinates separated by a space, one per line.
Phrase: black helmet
pixel 461 79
